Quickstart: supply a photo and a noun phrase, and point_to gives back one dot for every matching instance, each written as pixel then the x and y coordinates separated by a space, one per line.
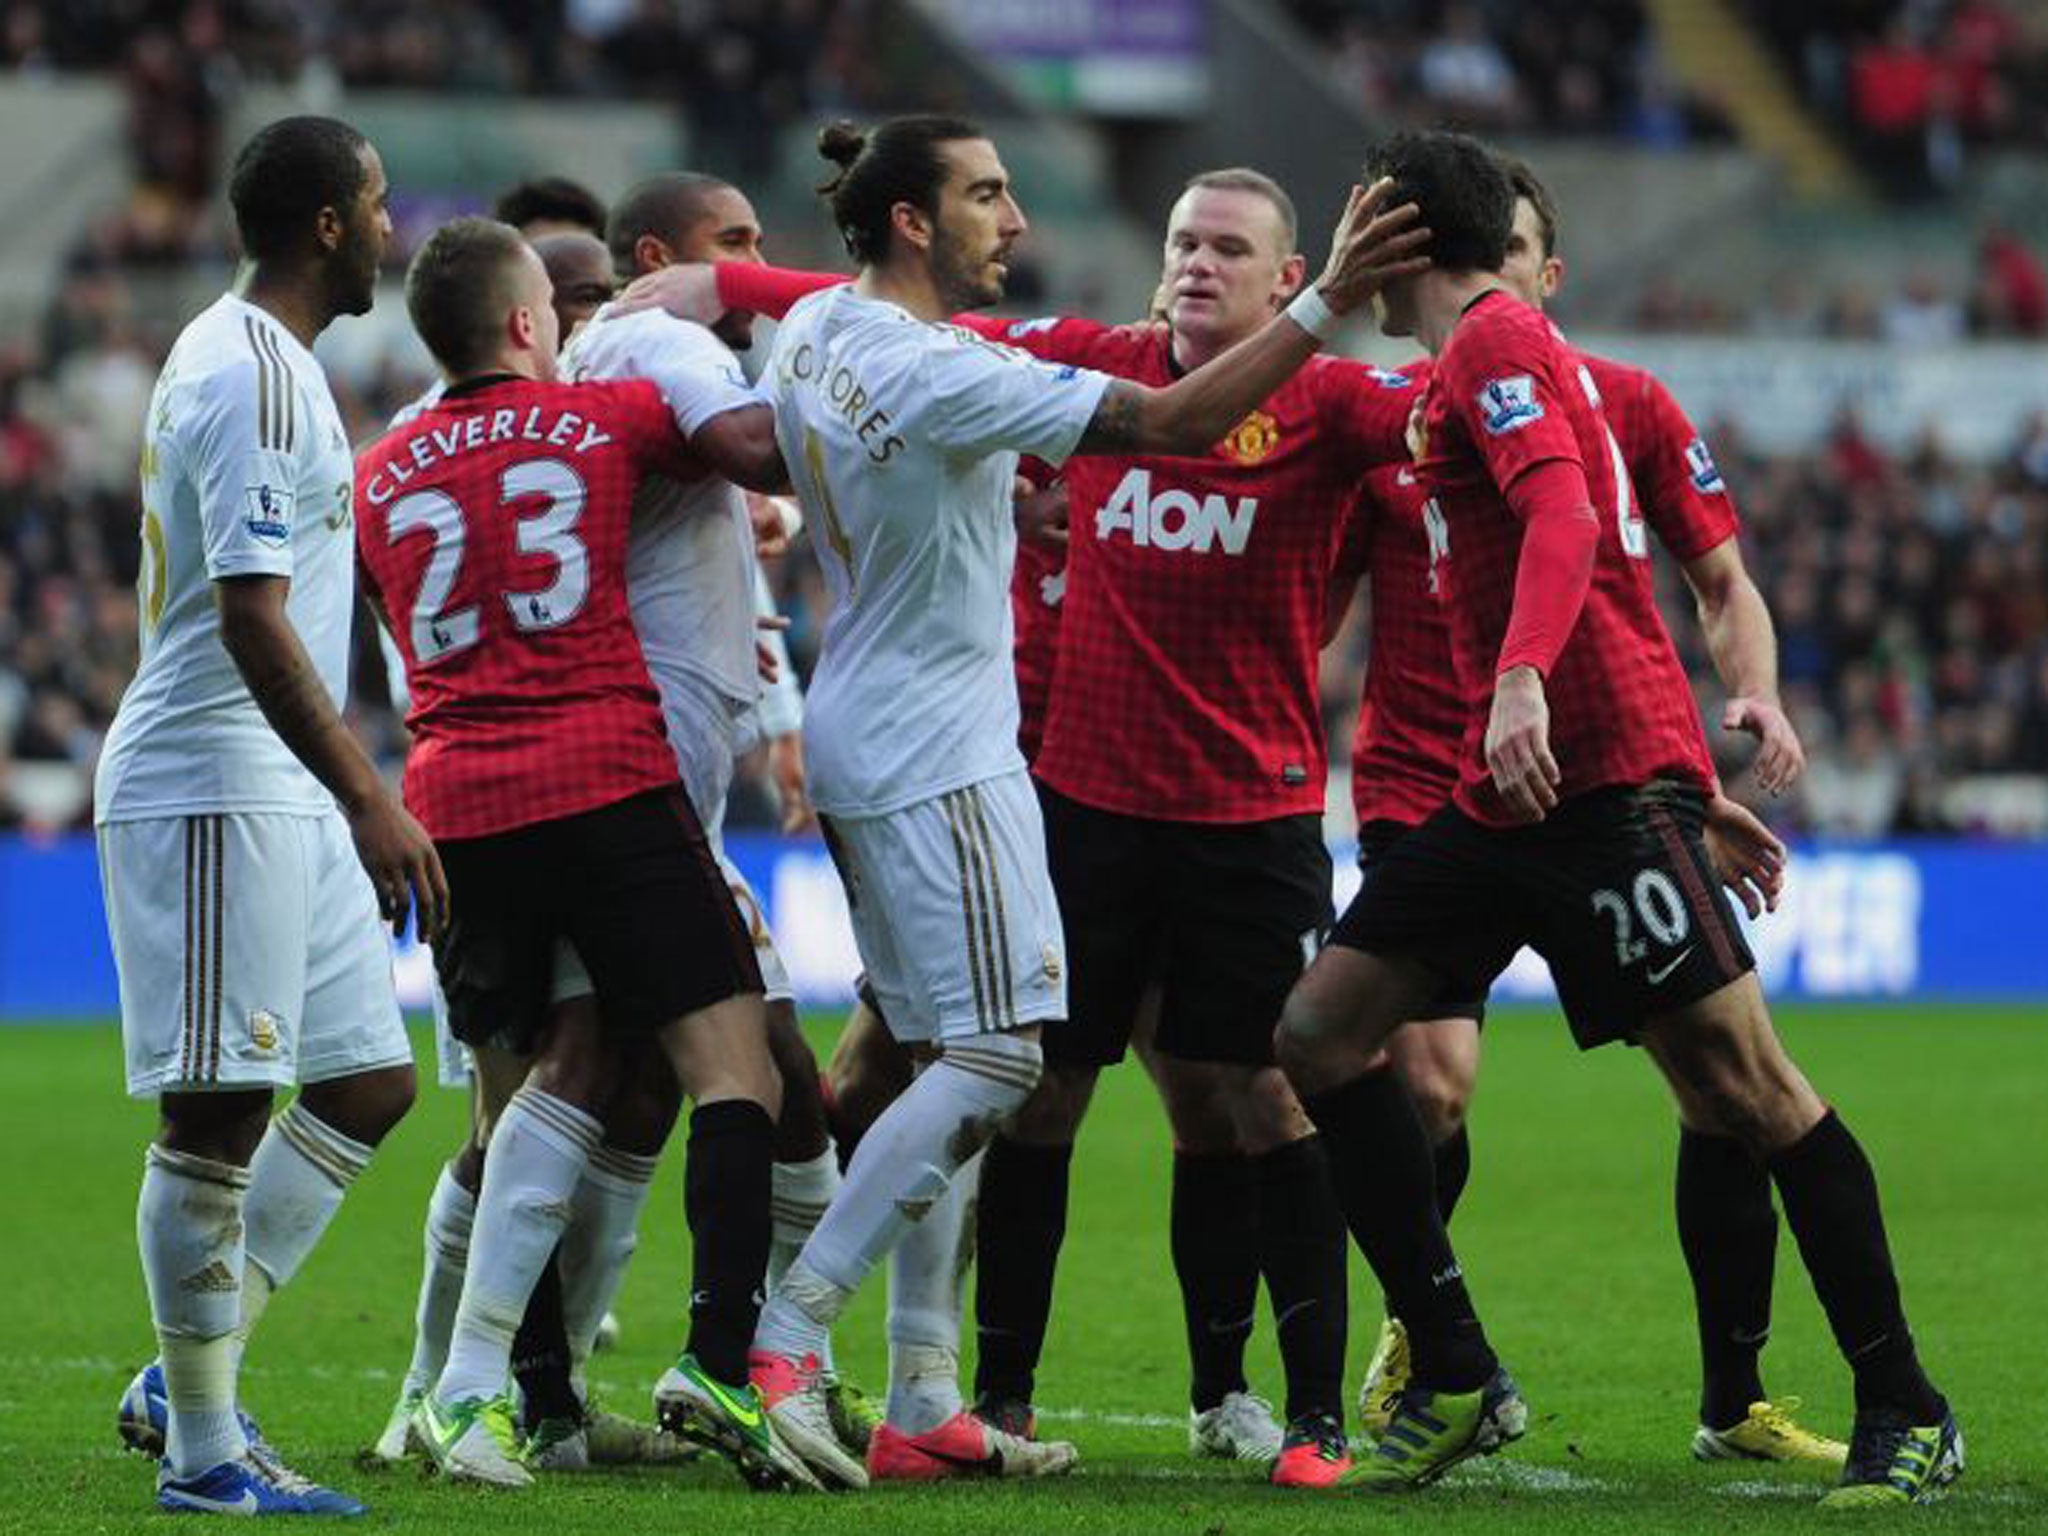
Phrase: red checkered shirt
pixel 1036 587
pixel 1684 499
pixel 1509 393
pixel 1411 721
pixel 1185 683
pixel 493 529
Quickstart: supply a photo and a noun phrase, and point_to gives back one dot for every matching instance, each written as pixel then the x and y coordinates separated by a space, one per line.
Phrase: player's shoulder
pixel 645 338
pixel 1093 341
pixel 1368 377
pixel 1623 382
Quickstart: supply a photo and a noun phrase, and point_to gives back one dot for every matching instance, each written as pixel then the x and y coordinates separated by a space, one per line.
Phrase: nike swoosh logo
pixel 247 1504
pixel 1657 973
pixel 746 1413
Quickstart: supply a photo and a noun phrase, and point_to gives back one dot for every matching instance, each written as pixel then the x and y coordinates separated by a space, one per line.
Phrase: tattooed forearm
pixel 1115 424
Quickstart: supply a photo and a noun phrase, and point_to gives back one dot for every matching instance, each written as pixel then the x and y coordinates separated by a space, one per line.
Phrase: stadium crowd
pixel 1916 83
pixel 1910 592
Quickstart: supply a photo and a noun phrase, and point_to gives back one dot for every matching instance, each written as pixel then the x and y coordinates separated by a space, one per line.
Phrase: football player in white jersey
pixel 902 434
pixel 696 590
pixel 247 844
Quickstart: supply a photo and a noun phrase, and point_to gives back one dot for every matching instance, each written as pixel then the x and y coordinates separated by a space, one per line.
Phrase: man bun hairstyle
pixel 898 162
pixel 1461 190
pixel 458 287
pixel 287 172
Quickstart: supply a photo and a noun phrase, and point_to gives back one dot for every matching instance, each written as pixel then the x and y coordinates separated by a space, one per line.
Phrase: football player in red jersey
pixel 1405 752
pixel 492 528
pixel 1575 827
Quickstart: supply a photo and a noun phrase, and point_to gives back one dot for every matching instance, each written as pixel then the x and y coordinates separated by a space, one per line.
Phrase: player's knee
pixel 1051 1114
pixel 364 1106
pixel 1441 1098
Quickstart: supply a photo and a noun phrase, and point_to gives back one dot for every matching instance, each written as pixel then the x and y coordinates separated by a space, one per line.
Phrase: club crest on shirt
pixel 1252 440
pixel 1706 474
pixel 1509 404
pixel 267 513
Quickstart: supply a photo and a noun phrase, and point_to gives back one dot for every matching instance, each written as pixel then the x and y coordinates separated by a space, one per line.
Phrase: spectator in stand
pixel 1464 74
pixel 1922 314
pixel 2011 293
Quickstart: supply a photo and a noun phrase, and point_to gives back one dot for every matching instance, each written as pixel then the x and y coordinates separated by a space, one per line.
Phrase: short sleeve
pixel 987 398
pixel 1685 500
pixel 1367 409
pixel 1508 395
pixel 245 472
pixel 659 443
pixel 696 374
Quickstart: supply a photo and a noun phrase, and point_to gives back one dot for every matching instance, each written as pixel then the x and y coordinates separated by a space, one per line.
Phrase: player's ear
pixel 1293 273
pixel 521 328
pixel 912 223
pixel 1553 275
pixel 651 253
pixel 329 229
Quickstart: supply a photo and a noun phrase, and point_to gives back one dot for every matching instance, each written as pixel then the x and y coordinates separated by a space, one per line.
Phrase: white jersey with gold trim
pixel 246 471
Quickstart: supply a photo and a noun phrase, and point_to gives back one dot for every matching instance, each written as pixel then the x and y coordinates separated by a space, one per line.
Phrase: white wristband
pixel 1313 315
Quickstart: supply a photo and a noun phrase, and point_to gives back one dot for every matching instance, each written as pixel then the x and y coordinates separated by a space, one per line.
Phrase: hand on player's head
pixel 1374 245
pixel 687 289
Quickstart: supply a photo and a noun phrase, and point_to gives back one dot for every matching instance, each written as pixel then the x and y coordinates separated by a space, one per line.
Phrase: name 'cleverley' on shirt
pixel 433 444
pixel 849 398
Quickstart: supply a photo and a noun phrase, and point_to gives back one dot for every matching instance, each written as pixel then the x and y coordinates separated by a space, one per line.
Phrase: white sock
pixel 302 1168
pixel 450 1214
pixel 925 1275
pixel 188 1226
pixel 799 1195
pixel 604 1229
pixel 800 1192
pixel 901 1170
pixel 538 1151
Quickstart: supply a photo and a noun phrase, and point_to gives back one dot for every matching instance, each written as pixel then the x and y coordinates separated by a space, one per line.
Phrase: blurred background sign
pixel 1115 58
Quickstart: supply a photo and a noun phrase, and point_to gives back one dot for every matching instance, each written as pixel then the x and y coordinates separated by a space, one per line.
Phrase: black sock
pixel 1019 1223
pixel 1385 1178
pixel 1215 1230
pixel 540 1352
pixel 1453 1170
pixel 725 1196
pixel 1729 1231
pixel 1303 1253
pixel 1831 1204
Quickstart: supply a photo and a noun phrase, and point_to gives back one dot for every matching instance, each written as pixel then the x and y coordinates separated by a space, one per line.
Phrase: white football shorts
pixel 250 952
pixel 703 726
pixel 954 912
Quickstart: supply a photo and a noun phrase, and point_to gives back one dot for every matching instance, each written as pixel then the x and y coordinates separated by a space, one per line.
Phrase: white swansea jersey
pixel 246 471
pixel 902 438
pixel 690 557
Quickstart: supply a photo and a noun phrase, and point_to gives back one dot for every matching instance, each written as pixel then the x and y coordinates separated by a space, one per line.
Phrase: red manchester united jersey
pixel 1037 587
pixel 1185 683
pixel 493 529
pixel 1684 498
pixel 1411 722
pixel 1509 393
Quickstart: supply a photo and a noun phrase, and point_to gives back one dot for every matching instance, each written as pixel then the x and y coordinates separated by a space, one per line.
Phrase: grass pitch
pixel 1566 1233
